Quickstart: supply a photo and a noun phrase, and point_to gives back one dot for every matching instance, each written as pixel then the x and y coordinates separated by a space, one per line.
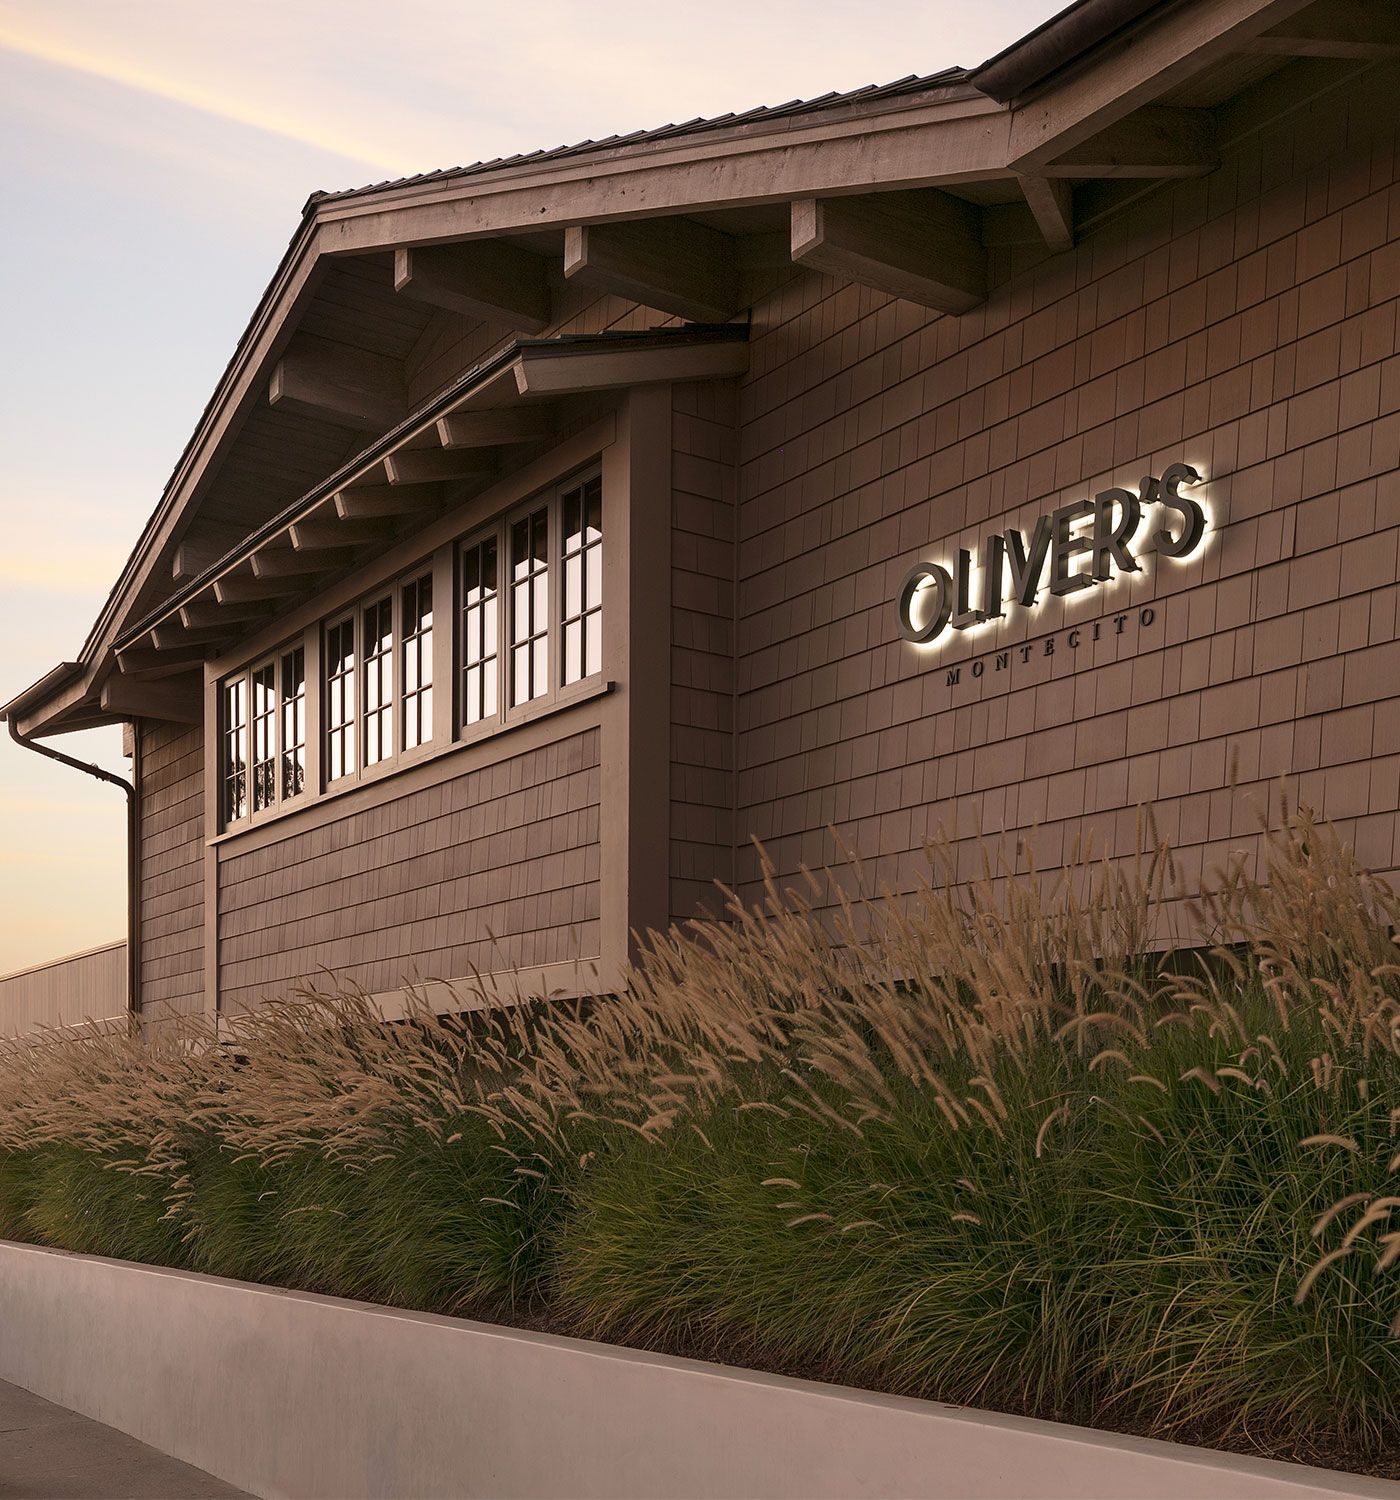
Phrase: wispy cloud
pixel 221 103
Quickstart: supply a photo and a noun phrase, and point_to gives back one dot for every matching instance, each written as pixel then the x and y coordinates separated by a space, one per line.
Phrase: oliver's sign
pixel 933 596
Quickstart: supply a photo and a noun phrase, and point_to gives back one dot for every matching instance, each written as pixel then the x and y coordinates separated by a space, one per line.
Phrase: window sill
pixel 477 736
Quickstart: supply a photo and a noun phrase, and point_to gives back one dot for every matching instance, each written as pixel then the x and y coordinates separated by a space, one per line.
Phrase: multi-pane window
pixel 264 765
pixel 262 736
pixel 340 699
pixel 581 512
pixel 235 749
pixel 378 647
pixel 480 610
pixel 529 606
pixel 526 604
pixel 416 603
pixel 294 722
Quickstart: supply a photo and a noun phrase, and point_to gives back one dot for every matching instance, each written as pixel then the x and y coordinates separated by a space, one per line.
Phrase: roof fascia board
pixel 1108 86
pixel 945 144
pixel 45 714
pixel 756 134
pixel 54 678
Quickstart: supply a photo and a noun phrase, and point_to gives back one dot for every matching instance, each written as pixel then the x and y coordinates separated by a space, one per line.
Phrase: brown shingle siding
pixel 171 795
pixel 494 869
pixel 1247 323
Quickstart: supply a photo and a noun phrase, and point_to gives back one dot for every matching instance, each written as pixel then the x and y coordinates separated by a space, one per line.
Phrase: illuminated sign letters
pixel 1084 543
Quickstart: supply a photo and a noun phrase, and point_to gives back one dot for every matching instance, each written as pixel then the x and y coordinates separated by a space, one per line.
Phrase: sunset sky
pixel 155 157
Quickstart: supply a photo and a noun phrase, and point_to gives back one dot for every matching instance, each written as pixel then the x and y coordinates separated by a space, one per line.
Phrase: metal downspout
pixel 133 956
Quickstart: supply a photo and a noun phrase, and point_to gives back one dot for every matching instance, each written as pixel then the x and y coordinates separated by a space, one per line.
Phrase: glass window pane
pixel 573 515
pixel 520 612
pixel 573 585
pixel 522 674
pixel 593 507
pixel 573 651
pixel 594 655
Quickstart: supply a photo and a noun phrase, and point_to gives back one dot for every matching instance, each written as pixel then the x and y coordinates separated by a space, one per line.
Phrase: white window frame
pixel 244 677
pixel 556 691
pixel 391 590
pixel 445 725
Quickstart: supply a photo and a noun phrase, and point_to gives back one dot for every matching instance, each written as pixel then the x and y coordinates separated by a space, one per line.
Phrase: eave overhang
pixel 904 188
pixel 448 448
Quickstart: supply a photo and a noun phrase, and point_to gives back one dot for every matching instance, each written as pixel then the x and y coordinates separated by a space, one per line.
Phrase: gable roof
pixel 963 156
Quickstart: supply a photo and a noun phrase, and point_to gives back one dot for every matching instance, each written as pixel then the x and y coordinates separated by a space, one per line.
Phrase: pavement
pixel 50 1453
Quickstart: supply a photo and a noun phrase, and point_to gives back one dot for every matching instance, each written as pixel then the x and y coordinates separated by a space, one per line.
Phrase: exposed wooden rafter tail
pixel 433 465
pixel 372 501
pixel 302 565
pixel 925 247
pixel 488 429
pixel 176 700
pixel 675 265
pixel 484 279
pixel 339 384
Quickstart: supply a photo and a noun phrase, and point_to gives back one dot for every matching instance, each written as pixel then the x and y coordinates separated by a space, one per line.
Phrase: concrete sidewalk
pixel 50 1453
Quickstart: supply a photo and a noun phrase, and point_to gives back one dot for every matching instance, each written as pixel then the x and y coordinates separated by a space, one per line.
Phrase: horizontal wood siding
pixel 494 869
pixel 87 986
pixel 172 870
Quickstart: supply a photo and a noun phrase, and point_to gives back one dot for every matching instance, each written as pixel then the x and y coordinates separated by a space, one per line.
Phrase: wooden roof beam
pixel 174 636
pixel 674 265
pixel 300 565
pixel 925 247
pixel 431 465
pixel 1334 28
pixel 208 611
pixel 320 534
pixel 489 429
pixel 1153 142
pixel 339 384
pixel 202 547
pixel 243 588
pixel 484 279
pixel 371 502
pixel 146 661
pixel 177 700
pixel 1051 200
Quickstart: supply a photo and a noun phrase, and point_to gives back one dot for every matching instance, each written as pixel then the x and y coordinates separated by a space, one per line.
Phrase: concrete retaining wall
pixel 288 1394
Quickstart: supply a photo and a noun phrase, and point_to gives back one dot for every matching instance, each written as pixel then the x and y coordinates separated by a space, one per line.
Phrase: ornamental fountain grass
pixel 993 1144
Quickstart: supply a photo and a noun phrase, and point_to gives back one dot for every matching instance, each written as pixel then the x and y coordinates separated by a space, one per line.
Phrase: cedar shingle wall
pixel 702 645
pixel 1245 322
pixel 172 870
pixel 493 869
